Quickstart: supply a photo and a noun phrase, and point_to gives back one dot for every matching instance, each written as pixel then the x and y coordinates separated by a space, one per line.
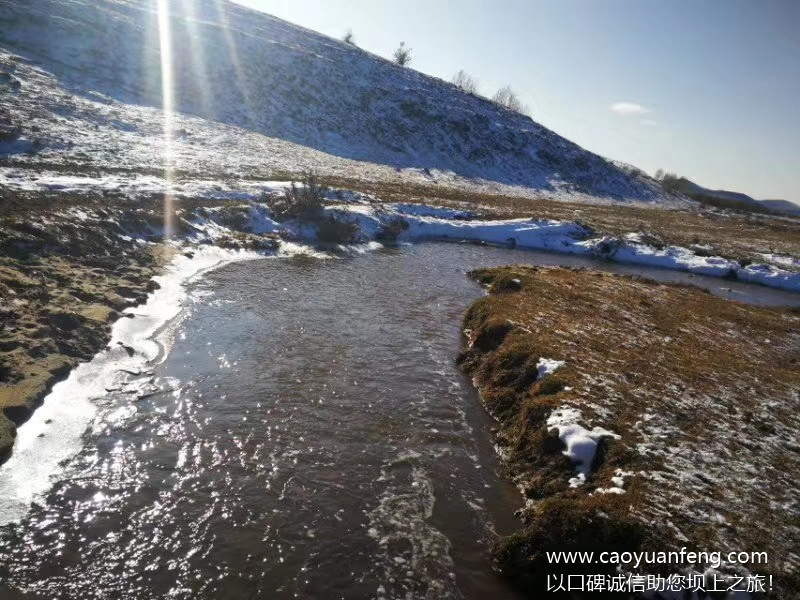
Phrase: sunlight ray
pixel 233 54
pixel 200 83
pixel 168 104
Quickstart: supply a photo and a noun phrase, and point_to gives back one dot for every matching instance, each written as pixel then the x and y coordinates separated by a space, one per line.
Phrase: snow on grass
pixel 580 443
pixel 424 223
pixel 73 102
pixel 421 210
pixel 546 366
pixel 617 483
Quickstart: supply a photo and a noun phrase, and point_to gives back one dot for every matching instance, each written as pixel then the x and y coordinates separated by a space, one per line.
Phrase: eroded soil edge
pixel 702 394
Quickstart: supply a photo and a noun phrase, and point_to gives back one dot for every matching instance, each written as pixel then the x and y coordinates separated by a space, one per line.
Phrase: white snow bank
pixel 783 260
pixel 136 184
pixel 522 233
pixel 431 223
pixel 671 257
pixel 53 433
pixel 581 443
pixel 771 276
pixel 423 210
pixel 683 259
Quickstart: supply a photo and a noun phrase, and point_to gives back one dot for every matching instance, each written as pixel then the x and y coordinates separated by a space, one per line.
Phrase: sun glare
pixel 168 104
pixel 233 54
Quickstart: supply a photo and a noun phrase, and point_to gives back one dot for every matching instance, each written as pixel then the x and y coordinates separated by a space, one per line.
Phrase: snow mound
pixel 581 443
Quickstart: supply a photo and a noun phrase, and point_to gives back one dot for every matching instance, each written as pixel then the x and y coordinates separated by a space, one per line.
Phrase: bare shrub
pixel 402 56
pixel 337 231
pixel 234 216
pixel 349 38
pixel 390 230
pixel 671 182
pixel 508 98
pixel 301 202
pixel 465 82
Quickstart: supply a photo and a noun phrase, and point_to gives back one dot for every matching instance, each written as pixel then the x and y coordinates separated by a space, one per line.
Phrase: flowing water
pixel 309 436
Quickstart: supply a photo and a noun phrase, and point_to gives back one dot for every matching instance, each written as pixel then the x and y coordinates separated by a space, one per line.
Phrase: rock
pixel 130 351
pixel 65 321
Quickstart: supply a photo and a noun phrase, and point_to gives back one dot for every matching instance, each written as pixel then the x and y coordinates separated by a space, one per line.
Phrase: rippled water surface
pixel 308 436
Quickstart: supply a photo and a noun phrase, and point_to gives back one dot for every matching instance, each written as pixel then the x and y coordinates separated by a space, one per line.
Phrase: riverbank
pixel 70 266
pixel 63 283
pixel 639 416
pixel 77 251
pixel 76 262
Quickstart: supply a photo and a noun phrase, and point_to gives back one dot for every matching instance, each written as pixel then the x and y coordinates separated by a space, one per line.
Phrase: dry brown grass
pixel 702 391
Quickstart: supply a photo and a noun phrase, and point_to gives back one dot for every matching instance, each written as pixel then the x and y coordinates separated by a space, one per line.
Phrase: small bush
pixel 465 82
pixel 508 98
pixel 336 231
pixel 303 202
pixel 390 230
pixel 505 283
pixel 671 182
pixel 402 56
pixel 349 38
pixel 234 216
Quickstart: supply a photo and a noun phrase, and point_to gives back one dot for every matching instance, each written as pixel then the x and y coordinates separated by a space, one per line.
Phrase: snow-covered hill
pixel 81 84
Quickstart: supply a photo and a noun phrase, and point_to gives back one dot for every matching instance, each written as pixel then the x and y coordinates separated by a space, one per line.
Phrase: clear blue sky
pixel 709 89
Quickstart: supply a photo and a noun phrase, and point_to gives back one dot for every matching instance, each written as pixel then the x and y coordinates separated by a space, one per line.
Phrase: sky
pixel 707 89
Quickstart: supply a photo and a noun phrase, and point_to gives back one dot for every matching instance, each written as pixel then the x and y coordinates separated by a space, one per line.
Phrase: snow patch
pixel 546 366
pixel 581 443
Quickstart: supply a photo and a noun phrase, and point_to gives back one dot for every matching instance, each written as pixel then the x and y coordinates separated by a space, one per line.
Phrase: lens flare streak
pixel 168 104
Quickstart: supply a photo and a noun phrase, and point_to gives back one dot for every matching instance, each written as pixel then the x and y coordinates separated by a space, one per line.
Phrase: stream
pixel 310 437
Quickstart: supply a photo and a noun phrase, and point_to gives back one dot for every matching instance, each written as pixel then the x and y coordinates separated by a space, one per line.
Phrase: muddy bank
pixel 69 267
pixel 635 415
pixel 62 283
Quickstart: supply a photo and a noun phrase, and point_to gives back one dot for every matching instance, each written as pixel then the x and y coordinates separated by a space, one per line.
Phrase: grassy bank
pixel 700 393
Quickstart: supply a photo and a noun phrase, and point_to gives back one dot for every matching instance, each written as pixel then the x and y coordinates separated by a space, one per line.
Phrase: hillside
pixel 696 191
pixel 782 206
pixel 82 89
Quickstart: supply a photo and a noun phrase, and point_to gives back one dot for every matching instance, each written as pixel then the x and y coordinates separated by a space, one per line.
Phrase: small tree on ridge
pixel 507 97
pixel 402 56
pixel 465 82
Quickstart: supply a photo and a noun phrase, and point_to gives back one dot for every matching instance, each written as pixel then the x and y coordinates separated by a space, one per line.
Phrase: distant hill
pixel 734 199
pixel 255 93
pixel 782 206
